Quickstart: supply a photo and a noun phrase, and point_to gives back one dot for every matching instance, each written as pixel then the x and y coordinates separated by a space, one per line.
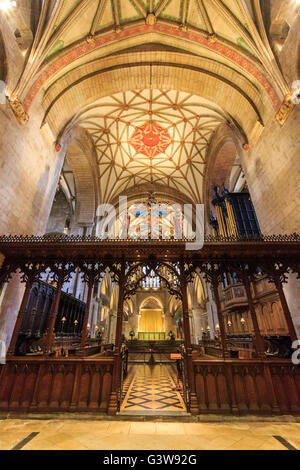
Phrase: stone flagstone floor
pixel 83 434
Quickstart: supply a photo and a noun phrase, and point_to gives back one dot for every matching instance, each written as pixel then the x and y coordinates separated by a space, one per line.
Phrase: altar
pixel 151 336
pixel 151 326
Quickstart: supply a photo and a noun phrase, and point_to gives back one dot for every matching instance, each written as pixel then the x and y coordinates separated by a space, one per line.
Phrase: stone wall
pixel 29 173
pixel 272 171
pixel 273 174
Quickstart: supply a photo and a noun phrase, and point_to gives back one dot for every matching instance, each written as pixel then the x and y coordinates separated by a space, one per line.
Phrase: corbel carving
pixel 285 110
pixel 90 39
pixel 18 110
pixel 151 19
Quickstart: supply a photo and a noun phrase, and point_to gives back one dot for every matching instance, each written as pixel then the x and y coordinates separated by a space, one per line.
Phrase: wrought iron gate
pixel 182 374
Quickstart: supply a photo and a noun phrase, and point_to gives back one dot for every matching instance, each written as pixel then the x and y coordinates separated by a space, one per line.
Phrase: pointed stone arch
pixel 151 298
pixel 114 298
pixel 169 70
pixel 106 286
pixel 81 156
pixel 224 148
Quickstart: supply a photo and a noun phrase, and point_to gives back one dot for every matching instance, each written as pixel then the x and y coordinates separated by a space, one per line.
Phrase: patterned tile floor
pixel 151 389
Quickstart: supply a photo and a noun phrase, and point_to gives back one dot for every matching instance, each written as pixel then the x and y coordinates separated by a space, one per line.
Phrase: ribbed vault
pixel 151 136
pixel 87 54
pixel 232 92
pixel 74 33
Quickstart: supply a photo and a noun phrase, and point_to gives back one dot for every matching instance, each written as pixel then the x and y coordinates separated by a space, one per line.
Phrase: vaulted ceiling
pixel 151 136
pixel 229 34
pixel 137 74
pixel 76 20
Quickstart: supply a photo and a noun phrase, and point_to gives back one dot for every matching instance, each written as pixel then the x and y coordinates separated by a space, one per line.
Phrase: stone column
pixel 198 313
pixel 10 307
pixel 291 292
pixel 273 180
pixel 125 328
pixel 35 177
pixel 113 402
pixel 113 332
pixel 99 312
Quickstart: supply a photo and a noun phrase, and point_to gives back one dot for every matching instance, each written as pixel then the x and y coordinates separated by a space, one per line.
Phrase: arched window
pixel 152 281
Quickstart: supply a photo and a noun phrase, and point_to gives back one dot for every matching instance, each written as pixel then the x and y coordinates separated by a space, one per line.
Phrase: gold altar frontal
pixel 148 336
pixel 151 325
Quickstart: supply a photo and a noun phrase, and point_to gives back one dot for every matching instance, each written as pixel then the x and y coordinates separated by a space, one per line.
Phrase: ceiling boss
pixel 150 139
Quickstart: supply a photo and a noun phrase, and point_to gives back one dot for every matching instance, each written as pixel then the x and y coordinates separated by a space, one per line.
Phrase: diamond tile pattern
pixel 152 391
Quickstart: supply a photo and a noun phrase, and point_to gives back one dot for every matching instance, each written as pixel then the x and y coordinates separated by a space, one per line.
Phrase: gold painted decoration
pixel 231 219
pixel 18 110
pixel 90 39
pixel 212 38
pixel 222 225
pixel 151 19
pixel 285 110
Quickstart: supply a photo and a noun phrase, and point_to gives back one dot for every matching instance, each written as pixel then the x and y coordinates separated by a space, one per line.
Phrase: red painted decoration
pixel 150 139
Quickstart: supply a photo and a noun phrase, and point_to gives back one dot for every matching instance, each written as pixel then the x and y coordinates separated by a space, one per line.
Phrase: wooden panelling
pixel 43 385
pixel 247 387
pixel 85 385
